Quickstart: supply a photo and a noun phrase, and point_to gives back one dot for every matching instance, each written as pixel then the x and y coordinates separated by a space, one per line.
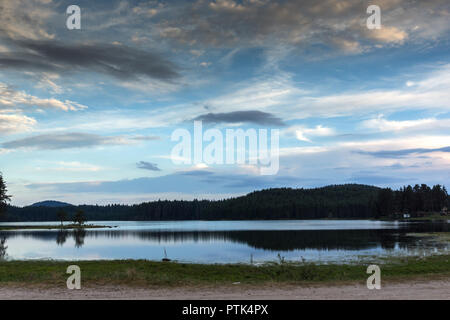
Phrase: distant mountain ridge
pixel 51 204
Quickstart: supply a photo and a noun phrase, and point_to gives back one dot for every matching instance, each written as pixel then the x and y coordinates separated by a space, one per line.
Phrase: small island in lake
pixel 53 227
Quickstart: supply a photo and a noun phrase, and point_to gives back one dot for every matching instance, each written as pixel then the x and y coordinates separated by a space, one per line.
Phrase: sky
pixel 87 116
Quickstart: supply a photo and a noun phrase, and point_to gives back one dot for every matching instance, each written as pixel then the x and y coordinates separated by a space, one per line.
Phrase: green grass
pixel 148 273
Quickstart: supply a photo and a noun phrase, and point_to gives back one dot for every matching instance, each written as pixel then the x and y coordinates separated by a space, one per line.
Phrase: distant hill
pixel 51 204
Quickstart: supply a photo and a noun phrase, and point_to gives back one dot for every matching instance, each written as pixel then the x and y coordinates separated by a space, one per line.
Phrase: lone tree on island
pixel 62 216
pixel 4 197
pixel 79 218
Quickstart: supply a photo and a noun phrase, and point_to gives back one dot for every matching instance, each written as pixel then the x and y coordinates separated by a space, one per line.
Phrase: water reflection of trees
pixel 268 240
pixel 277 240
pixel 3 248
pixel 78 235
pixel 61 237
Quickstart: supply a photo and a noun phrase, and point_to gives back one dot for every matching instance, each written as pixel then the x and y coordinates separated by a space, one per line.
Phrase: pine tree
pixel 4 197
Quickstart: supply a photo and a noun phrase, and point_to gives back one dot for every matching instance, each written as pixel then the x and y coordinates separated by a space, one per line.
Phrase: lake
pixel 320 241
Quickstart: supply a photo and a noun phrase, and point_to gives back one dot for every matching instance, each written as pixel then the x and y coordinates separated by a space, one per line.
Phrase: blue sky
pixel 86 116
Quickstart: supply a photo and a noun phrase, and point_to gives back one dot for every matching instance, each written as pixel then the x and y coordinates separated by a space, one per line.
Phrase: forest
pixel 350 201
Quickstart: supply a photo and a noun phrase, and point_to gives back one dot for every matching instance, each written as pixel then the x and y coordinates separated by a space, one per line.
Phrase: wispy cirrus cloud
pixel 302 133
pixel 14 104
pixel 228 23
pixel 431 90
pixel 11 98
pixel 403 152
pixel 381 124
pixel 14 123
pixel 26 19
pixel 69 166
pixel 56 141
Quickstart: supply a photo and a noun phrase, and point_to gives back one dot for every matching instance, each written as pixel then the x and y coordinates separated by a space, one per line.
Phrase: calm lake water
pixel 228 241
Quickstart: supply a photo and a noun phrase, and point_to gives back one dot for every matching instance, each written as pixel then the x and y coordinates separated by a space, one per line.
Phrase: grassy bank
pixel 147 273
pixel 52 227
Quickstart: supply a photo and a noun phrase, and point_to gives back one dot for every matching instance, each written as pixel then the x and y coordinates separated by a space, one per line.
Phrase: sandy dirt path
pixel 417 289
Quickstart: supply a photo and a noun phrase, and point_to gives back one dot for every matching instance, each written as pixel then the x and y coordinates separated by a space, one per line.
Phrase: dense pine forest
pixel 350 201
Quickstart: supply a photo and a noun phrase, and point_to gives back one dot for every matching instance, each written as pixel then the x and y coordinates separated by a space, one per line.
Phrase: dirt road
pixel 417 289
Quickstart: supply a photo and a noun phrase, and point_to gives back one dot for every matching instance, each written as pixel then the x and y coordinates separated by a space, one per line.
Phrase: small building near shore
pixel 444 211
pixel 406 215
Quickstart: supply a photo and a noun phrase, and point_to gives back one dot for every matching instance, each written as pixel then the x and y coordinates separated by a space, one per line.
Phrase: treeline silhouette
pixel 352 201
pixel 413 200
